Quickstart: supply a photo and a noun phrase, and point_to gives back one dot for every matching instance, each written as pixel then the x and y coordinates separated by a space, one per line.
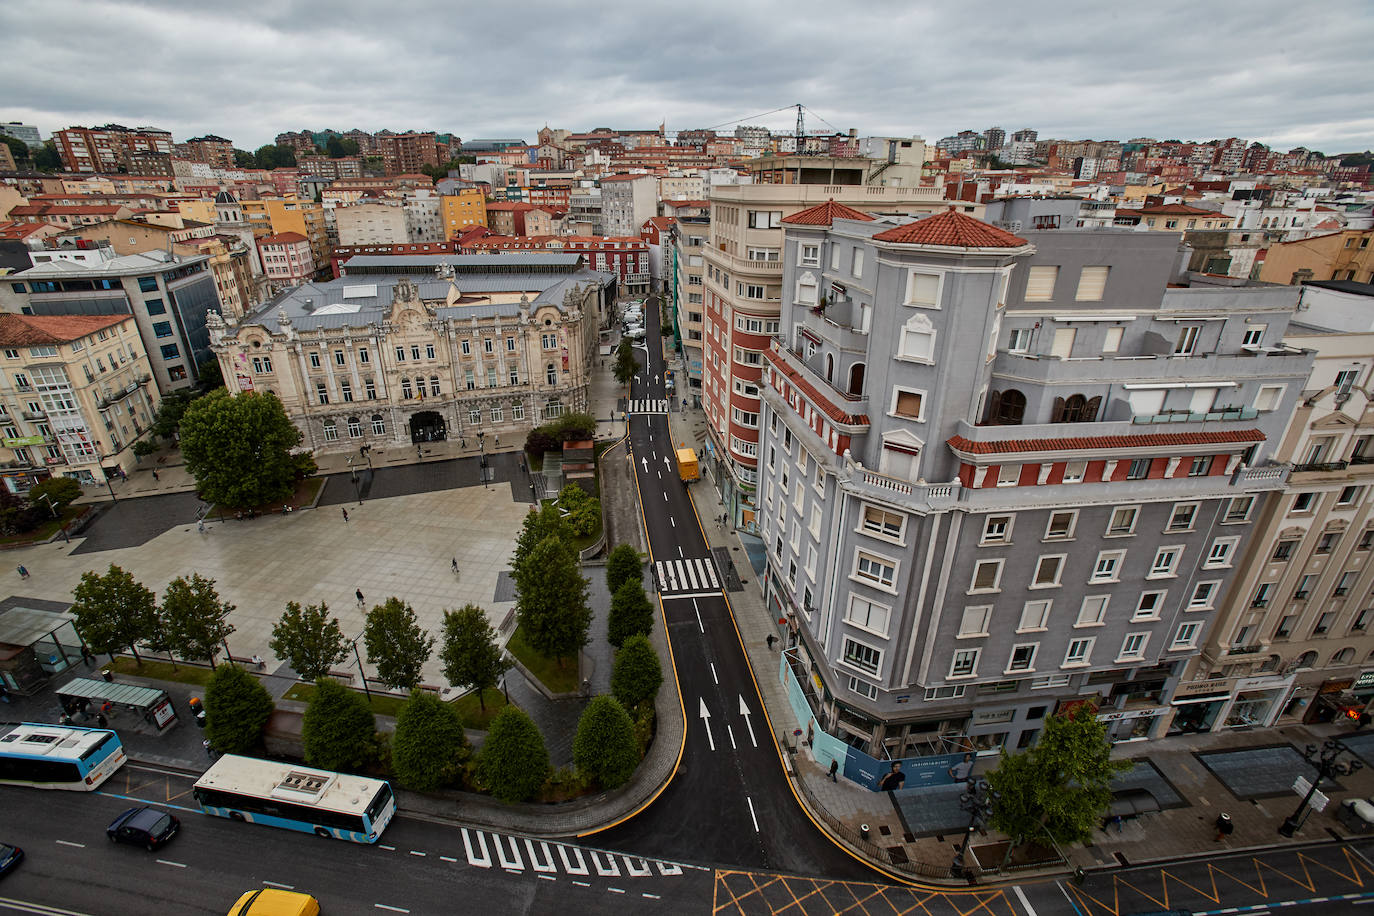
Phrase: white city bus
pixel 58 756
pixel 297 798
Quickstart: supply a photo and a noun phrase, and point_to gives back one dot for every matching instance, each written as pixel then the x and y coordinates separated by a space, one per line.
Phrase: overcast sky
pixel 1283 73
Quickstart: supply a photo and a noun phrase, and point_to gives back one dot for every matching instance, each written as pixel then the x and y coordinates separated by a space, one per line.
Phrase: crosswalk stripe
pixel 482 861
pixel 692 572
pixel 609 870
pixel 581 867
pixel 644 870
pixel 515 863
pixel 710 566
pixel 545 866
pixel 695 575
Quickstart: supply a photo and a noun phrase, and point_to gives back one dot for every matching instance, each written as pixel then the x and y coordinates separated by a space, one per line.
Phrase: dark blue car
pixel 145 826
pixel 10 857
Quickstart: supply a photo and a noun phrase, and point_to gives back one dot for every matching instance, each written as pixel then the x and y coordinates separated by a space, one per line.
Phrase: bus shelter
pixel 151 703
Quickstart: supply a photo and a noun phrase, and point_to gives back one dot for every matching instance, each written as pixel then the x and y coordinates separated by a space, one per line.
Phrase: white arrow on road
pixel 744 711
pixel 667 463
pixel 655 378
pixel 646 464
pixel 706 721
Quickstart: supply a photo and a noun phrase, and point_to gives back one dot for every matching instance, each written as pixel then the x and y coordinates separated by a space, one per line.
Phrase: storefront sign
pixel 1211 687
pixel 17 441
pixel 1365 680
pixel 1117 715
pixel 1262 683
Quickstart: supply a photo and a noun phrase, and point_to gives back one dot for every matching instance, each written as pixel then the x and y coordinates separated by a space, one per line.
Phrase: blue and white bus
pixel 297 798
pixel 58 756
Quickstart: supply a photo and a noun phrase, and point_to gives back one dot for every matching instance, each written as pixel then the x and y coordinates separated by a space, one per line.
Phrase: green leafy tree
pixel 551 601
pixel 396 644
pixel 622 565
pixel 583 511
pixel 625 365
pixel 209 375
pixel 270 156
pixel 632 614
pixel 19 150
pixel 636 674
pixel 338 730
pixel 192 617
pixel 18 516
pixel 236 709
pixel 427 748
pixel 167 421
pixel 514 762
pixel 113 611
pixel 309 639
pixel 338 147
pixel 244 159
pixel 470 654
pixel 1059 788
pixel 546 521
pixel 59 492
pixel 238 448
pixel 605 748
pixel 47 158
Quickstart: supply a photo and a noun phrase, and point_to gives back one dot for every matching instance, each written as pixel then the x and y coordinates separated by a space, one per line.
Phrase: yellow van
pixel 270 901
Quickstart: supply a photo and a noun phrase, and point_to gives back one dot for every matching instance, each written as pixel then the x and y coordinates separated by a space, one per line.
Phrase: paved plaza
pixel 398 546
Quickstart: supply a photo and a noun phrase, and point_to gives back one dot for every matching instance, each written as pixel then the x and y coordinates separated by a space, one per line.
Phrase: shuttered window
pixel 1040 284
pixel 1092 282
pixel 923 289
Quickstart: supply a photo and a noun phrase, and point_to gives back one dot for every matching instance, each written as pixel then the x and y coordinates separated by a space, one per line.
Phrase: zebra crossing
pixel 686 578
pixel 648 405
pixel 520 854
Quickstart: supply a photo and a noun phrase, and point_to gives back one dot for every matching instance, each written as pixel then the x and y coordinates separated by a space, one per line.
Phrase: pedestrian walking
pixel 454 564
pixel 101 721
pixel 834 768
pixel 209 751
pixel 23 573
pixel 345 513
pixel 771 639
pixel 155 477
pixel 200 526
pixel 359 594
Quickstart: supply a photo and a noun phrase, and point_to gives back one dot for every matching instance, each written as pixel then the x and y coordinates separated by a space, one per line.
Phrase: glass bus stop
pixel 151 703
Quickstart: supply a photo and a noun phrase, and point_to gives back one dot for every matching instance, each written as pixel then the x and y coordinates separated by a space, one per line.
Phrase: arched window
pixel 378 425
pixel 331 431
pixel 1007 408
pixel 405 387
pixel 434 385
pixel 1306 660
pixel 355 427
pixel 1075 409
pixel 1269 664
pixel 551 374
pixel 1343 657
pixel 830 368
pixel 856 380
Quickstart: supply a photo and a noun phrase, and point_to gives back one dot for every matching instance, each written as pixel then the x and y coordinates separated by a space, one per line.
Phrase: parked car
pixel 636 334
pixel 10 857
pixel 269 901
pixel 144 826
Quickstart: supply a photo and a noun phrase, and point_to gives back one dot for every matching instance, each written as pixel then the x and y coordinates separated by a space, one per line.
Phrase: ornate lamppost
pixel 1326 761
pixel 978 800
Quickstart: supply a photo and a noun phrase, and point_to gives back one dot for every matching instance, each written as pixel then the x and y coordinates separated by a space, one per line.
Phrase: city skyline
pixel 1267 72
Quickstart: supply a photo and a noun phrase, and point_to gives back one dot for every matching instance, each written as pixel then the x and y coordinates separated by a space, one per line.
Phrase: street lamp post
pixel 482 466
pixel 100 463
pixel 978 801
pixel 353 473
pixel 1327 765
pixel 55 514
pixel 362 674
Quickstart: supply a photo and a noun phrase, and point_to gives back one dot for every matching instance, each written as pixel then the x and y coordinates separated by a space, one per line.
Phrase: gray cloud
pixel 1265 70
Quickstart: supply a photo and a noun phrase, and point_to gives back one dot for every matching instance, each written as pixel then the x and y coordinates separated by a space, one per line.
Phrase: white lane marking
pixel 285 887
pixel 393 909
pixel 752 815
pixel 414 852
pixel 609 870
pixel 651 896
pixel 731 732
pixel 700 626
pixel 643 872
pixel 70 843
pixel 171 863
pixel 706 724
pixel 713 673
pixel 744 711
pixel 672 522
pixel 580 868
pixel 615 890
pixel 384 846
pixel 667 869
pixel 448 858
pixel 547 878
pixel 545 866
pixel 514 864
pixel 483 860
pixel 581 884
pixel 660 476
pixel 665 497
pixel 690 595
pixel 1021 895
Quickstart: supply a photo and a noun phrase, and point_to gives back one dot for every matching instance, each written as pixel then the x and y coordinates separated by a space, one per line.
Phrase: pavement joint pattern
pixel 1265 771
pixel 760 892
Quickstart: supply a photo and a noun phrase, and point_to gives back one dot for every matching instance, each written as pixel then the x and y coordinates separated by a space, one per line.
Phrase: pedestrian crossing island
pixel 687 578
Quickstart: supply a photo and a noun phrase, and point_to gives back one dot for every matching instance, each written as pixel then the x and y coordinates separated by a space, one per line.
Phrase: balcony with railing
pixel 112 396
pixel 1276 362
pixel 793 364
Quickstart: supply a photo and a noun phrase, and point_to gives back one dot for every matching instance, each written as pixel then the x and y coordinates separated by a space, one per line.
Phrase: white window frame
pixel 974 589
pixel 892 407
pixel 1221 553
pixel 1008 475
pixel 1185 637
pixel 1073 525
pixel 1029 667
pixel 865 621
pixel 1080 659
pixel 963 663
pixel 843 659
pixel 1143 613
pixel 974 621
pixel 1060 563
pixel 1116 558
pixel 921 326
pixel 1037 614
pixel 1171 528
pixel 1113 530
pixel 1003 524
pixel 1226 517
pixel 1213 587
pixel 1142 639
pixel 860 555
pixel 877 532
pixel 1268 398
pixel 1023 335
pixel 1171 570
pixel 911 283
pixel 1078 469
pixel 1098 615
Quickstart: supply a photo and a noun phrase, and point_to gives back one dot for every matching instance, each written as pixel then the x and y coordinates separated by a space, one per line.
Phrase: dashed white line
pixel 393 909
pixel 547 878
pixel 581 884
pixel 651 896
pixel 70 843
pixel 713 672
pixel 448 858
pixel 171 863
pixel 752 815
pixel 384 846
pixel 615 890
pixel 731 732
pixel 700 625
pixel 514 871
pixel 1021 895
pixel 416 852
pixel 671 521
pixel 285 887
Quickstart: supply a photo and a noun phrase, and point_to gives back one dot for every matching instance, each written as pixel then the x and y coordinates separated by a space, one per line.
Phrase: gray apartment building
pixel 1002 475
pixel 168 296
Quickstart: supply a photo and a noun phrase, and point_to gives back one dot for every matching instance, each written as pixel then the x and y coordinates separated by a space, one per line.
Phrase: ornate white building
pixel 422 348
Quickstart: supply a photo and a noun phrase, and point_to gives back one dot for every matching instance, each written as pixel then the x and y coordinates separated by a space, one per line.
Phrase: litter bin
pixel 107 674
pixel 200 718
pixel 863 831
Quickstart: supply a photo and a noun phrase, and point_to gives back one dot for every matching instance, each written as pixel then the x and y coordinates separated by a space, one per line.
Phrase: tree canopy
pixel 396 645
pixel 583 511
pixel 167 420
pixel 236 709
pixel 539 524
pixel 605 747
pixel 238 448
pixel 270 156
pixel 514 762
pixel 114 610
pixel 1061 786
pixel 309 639
pixel 339 147
pixel 59 491
pixel 626 367
pixel 631 614
pixel 192 618
pixel 551 600
pixel 623 564
pixel 470 654
pixel 338 730
pixel 637 673
pixel 428 743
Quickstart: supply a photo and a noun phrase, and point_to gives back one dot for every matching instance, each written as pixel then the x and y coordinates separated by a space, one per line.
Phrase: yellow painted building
pixel 201 210
pixel 274 216
pixel 462 211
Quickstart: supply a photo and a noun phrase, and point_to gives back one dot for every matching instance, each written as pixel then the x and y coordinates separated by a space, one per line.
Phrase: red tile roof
pixel 954 229
pixel 826 406
pixel 282 238
pixel 825 215
pixel 12 231
pixel 1085 443
pixel 1182 210
pixel 38 330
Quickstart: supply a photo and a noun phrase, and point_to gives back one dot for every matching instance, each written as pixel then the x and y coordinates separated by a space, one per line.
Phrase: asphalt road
pixel 417 867
pixel 730 803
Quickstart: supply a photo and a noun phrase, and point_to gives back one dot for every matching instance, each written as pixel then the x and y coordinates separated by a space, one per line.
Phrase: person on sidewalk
pixel 359 594
pixel 771 639
pixel 23 573
pixel 345 514
pixel 834 768
pixel 200 526
pixel 155 477
pixel 1224 827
